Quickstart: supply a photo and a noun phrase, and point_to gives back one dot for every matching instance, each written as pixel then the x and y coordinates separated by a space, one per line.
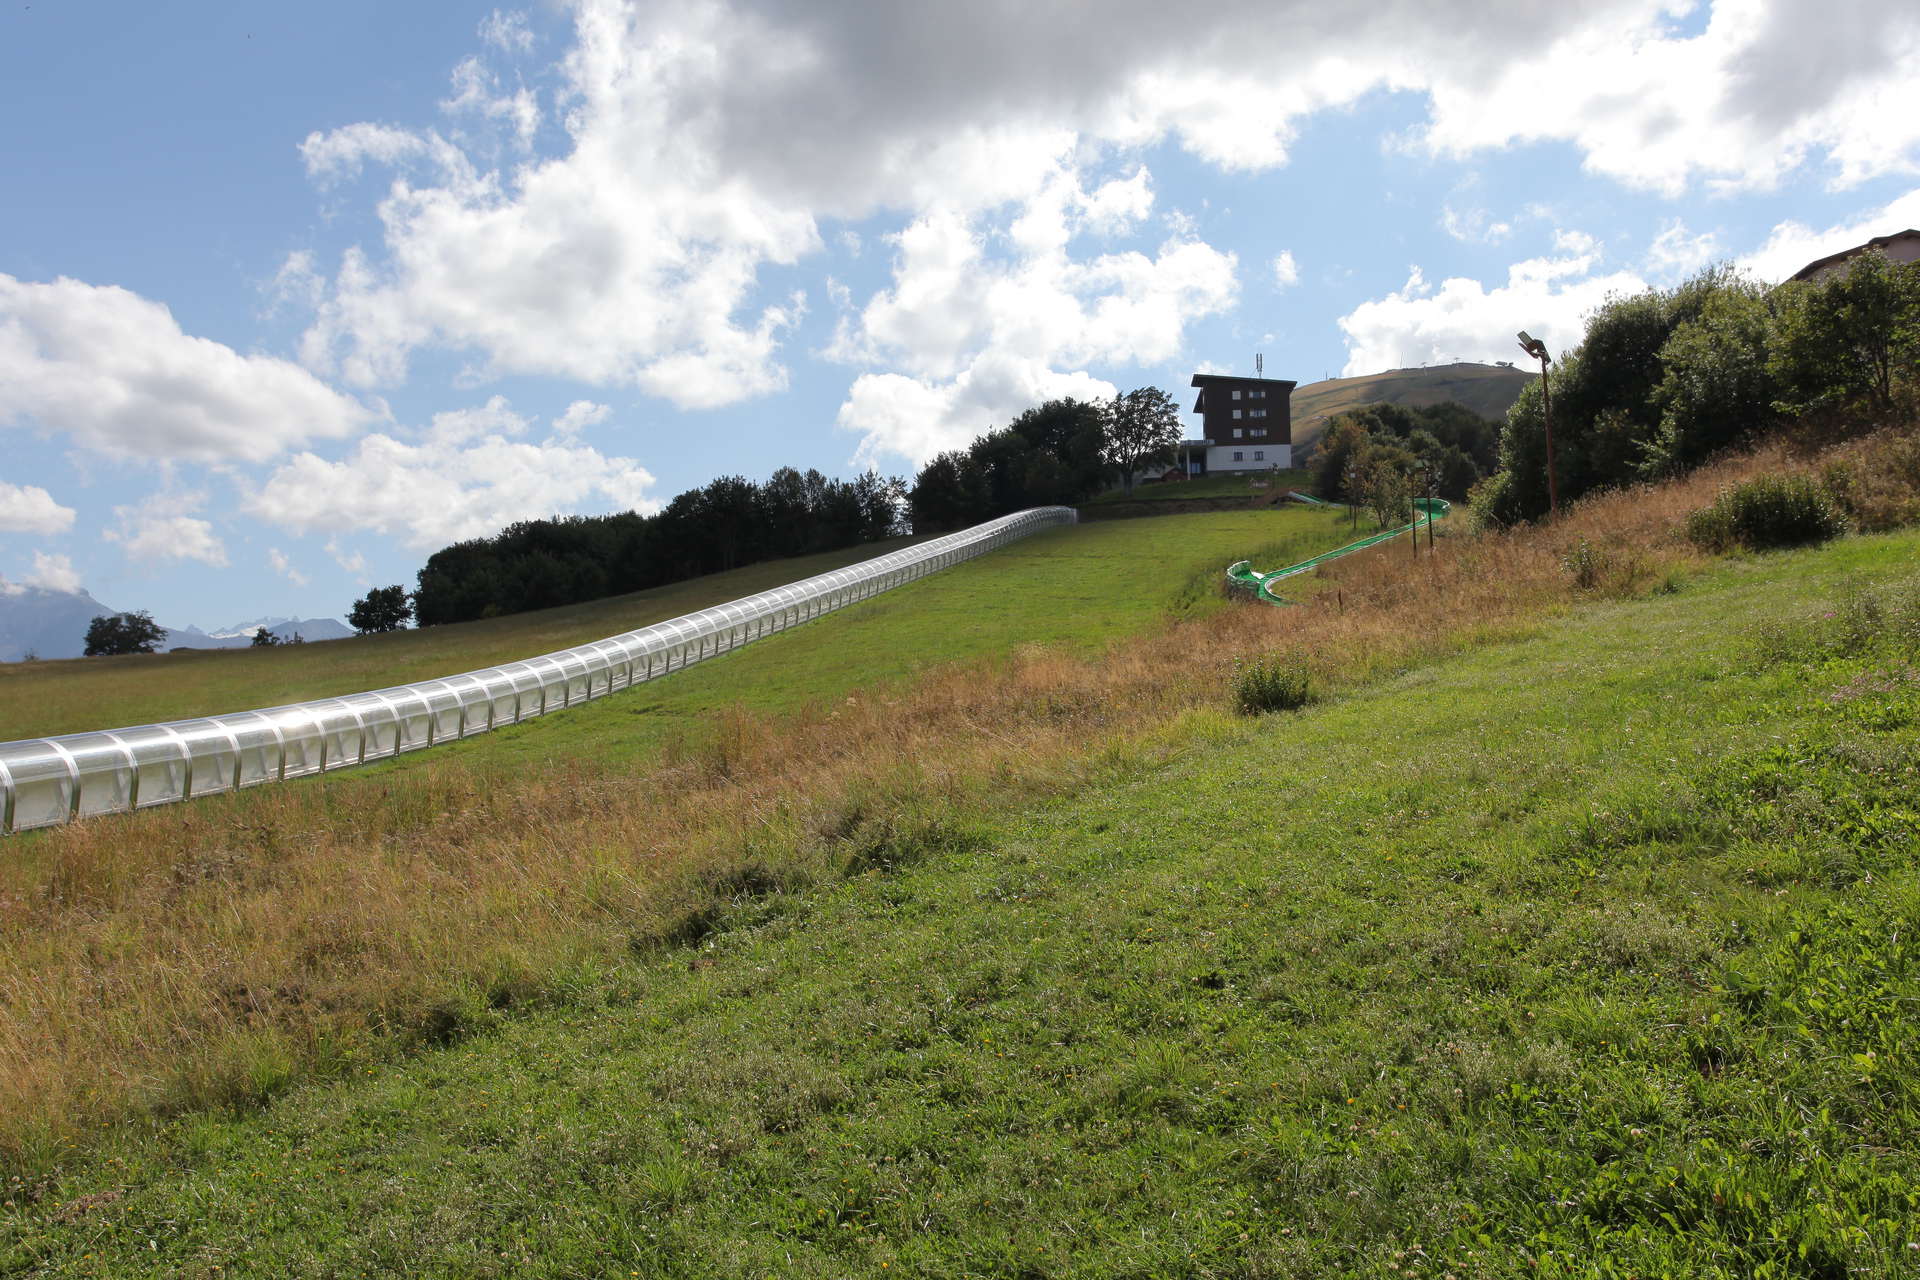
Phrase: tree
pixel 265 639
pixel 1716 385
pixel 1143 427
pixel 1849 339
pixel 117 633
pixel 381 609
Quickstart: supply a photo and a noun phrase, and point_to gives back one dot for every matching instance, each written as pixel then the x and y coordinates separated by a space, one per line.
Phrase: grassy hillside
pixel 1489 390
pixel 1496 967
pixel 1220 484
pixel 1085 585
pixel 1570 928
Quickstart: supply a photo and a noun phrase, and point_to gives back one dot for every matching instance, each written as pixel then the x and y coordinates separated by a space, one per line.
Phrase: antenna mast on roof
pixel 1259 365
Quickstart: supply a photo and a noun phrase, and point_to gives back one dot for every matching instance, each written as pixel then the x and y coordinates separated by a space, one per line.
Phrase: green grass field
pixel 1083 585
pixel 1220 484
pixel 1588 955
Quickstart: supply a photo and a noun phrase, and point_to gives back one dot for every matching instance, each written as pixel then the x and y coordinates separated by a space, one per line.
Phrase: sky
pixel 293 295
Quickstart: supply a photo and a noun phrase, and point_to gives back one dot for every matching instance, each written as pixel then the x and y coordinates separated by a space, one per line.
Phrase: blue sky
pixel 291 296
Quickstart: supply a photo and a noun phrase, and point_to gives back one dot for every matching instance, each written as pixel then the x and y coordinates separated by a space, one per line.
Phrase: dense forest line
pixel 1060 452
pixel 537 564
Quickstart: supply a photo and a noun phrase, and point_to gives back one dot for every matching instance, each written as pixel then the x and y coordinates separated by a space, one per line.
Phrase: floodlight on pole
pixel 1538 350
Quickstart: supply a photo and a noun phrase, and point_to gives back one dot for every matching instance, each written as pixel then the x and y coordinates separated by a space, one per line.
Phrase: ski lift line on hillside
pixel 48 781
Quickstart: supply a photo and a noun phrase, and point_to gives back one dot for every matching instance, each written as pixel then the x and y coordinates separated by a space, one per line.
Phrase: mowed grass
pixel 1220 484
pixel 1083 585
pixel 1073 589
pixel 43 698
pixel 1591 954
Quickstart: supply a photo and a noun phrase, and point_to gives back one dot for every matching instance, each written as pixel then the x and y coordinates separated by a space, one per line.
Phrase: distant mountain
pixel 240 635
pixel 1487 389
pixel 44 623
pixel 53 624
pixel 311 629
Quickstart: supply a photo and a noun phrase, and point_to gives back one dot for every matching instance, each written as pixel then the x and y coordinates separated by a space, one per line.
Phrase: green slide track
pixel 1427 510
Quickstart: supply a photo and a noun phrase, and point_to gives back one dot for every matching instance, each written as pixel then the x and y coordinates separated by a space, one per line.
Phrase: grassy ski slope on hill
pixel 1588 954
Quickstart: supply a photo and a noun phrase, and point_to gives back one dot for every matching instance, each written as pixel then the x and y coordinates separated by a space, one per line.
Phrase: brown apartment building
pixel 1246 424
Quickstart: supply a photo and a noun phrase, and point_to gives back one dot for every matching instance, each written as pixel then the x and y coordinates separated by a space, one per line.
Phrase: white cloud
pixel 164 527
pixel 1473 225
pixel 1463 320
pixel 114 371
pixel 1792 245
pixel 53 572
pixel 494 418
pixel 1677 252
pixel 972 337
pixel 1286 272
pixel 706 143
pixel 507 32
pixel 1764 89
pixel 476 91
pixel 342 153
pixel 915 418
pixel 352 561
pixel 580 415
pixel 278 562
pixel 450 486
pixel 31 509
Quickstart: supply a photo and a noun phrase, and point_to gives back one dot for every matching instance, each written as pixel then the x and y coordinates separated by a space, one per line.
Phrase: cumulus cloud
pixel 461 480
pixel 31 509
pixel 706 143
pixel 1792 245
pixel 53 573
pixel 969 336
pixel 115 372
pixel 507 32
pixel 1677 252
pixel 580 415
pixel 1286 272
pixel 1462 319
pixel 277 560
pixel 165 527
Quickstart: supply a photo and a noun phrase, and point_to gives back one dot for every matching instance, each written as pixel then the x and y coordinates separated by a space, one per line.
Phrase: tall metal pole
pixel 1546 400
pixel 1538 350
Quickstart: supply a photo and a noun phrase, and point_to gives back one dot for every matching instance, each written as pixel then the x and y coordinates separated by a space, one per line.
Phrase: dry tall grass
pixel 211 952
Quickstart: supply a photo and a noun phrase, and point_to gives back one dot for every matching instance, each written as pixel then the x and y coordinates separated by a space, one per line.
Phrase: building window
pixel 1236 393
pixel 1237 433
pixel 1256 413
pixel 1236 415
pixel 1258 433
pixel 1239 456
pixel 1256 395
pixel 1259 455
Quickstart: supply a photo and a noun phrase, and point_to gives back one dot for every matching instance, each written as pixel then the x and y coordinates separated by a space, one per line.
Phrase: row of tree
pixel 537 564
pixel 1058 453
pixel 1664 379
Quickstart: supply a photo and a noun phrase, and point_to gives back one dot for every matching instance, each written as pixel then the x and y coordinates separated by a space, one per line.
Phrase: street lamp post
pixel 1538 350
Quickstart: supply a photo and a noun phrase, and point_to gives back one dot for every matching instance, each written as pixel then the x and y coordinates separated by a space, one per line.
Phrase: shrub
pixel 1583 562
pixel 1272 683
pixel 1771 511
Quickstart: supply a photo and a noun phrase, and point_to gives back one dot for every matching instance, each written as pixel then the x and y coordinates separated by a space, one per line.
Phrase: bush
pixel 1772 511
pixel 1272 683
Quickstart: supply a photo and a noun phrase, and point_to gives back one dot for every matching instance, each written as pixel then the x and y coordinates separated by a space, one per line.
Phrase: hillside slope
pixel 1496 967
pixel 1487 389
pixel 1084 585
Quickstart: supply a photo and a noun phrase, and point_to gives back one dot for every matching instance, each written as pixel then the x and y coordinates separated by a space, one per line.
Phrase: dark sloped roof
pixel 1878 242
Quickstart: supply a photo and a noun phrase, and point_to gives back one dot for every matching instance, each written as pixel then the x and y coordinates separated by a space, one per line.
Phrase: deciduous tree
pixel 381 609
pixel 1143 427
pixel 117 633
